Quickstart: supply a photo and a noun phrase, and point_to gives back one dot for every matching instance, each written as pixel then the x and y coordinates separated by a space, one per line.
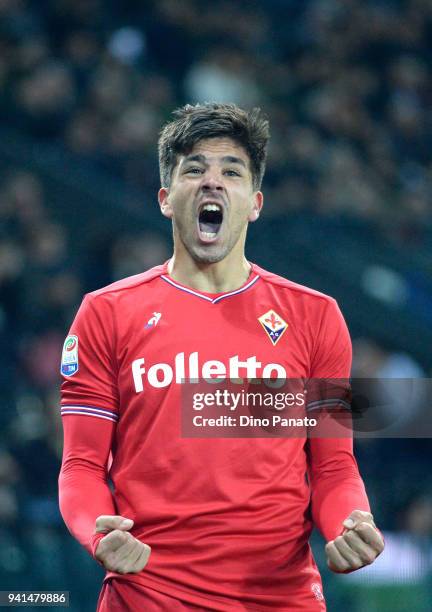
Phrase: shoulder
pixel 283 284
pixel 128 286
pixel 121 295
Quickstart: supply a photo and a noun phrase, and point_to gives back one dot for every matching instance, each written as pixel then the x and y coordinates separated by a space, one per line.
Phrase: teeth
pixel 211 207
pixel 209 234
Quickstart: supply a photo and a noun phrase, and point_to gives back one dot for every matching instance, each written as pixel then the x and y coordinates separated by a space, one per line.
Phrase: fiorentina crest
pixel 273 325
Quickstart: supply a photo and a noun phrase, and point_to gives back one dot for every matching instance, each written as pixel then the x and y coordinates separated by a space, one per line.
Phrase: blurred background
pixel 84 87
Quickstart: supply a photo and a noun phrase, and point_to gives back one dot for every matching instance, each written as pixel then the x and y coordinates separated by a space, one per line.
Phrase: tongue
pixel 207 226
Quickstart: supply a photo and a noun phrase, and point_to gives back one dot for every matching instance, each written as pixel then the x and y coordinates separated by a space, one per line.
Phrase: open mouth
pixel 209 221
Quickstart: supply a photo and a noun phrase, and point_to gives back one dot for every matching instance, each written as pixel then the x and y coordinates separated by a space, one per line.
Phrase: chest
pixel 169 339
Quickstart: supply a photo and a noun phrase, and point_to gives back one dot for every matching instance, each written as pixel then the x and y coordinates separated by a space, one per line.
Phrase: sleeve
pixel 336 485
pixel 84 493
pixel 332 355
pixel 89 367
pixel 89 407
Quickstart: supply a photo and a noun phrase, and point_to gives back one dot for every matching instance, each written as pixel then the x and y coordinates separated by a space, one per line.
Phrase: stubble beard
pixel 200 253
pixel 206 255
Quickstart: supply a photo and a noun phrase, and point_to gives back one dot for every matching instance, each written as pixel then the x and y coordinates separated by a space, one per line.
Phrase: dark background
pixel 84 87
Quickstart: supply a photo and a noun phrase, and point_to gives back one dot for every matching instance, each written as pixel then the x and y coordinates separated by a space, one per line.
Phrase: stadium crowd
pixel 347 87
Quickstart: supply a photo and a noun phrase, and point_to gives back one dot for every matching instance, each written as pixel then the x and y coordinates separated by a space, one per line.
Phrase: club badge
pixel 273 325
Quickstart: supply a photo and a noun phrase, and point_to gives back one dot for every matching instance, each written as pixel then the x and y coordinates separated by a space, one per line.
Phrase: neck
pixel 219 277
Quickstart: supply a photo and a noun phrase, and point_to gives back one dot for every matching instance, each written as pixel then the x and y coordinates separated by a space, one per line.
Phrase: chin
pixel 207 255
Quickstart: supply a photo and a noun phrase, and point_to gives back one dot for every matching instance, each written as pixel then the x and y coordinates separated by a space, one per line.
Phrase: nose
pixel 211 182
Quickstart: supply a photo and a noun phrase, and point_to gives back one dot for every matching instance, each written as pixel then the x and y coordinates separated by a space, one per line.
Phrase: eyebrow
pixel 230 159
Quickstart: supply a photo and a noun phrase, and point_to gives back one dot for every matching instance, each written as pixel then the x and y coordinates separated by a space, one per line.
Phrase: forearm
pixel 84 493
pixel 333 500
pixel 83 496
pixel 336 485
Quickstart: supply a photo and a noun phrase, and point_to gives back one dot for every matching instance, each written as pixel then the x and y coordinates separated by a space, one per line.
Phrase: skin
pixel 359 545
pixel 119 551
pixel 219 266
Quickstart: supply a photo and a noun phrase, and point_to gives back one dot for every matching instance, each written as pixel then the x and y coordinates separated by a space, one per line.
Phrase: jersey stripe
pixel 206 297
pixel 316 405
pixel 101 413
pixel 225 295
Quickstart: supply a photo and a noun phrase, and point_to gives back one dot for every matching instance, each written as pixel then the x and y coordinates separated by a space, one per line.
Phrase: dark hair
pixel 249 129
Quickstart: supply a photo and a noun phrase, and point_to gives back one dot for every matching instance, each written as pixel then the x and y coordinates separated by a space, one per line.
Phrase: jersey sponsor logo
pixel 189 368
pixel 273 325
pixel 69 360
pixel 153 321
pixel 316 590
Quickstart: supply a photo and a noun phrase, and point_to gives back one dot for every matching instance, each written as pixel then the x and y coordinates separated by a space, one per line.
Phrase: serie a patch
pixel 69 360
pixel 273 325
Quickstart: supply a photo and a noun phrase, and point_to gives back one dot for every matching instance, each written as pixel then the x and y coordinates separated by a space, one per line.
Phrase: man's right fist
pixel 119 551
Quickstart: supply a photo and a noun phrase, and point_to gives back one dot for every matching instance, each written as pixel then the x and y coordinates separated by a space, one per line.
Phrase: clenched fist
pixel 119 551
pixel 359 545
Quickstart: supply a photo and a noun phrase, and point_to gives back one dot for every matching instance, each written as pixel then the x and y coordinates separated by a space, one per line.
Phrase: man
pixel 228 520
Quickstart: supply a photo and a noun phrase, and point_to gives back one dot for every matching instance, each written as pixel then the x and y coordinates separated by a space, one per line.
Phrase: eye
pixel 231 172
pixel 194 170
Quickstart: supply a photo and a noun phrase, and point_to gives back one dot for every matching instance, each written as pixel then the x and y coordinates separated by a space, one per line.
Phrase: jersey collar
pixel 213 298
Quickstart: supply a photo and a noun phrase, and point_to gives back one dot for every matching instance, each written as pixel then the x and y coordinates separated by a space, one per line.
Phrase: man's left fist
pixel 359 545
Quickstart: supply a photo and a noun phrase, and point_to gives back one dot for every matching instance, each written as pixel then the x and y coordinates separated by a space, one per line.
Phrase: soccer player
pixel 227 520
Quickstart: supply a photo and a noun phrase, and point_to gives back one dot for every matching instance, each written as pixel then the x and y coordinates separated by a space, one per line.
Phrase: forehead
pixel 216 148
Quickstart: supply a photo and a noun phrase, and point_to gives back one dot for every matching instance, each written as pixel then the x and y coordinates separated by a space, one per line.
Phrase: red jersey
pixel 228 519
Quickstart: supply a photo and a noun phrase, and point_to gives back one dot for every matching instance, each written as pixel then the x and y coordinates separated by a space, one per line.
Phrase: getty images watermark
pixel 298 408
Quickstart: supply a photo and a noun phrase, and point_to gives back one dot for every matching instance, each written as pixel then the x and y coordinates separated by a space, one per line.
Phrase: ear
pixel 164 203
pixel 257 206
